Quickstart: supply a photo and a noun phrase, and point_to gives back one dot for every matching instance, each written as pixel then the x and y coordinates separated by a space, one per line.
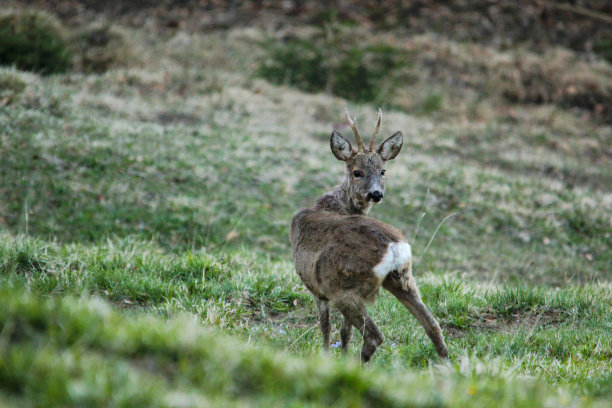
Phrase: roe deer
pixel 344 257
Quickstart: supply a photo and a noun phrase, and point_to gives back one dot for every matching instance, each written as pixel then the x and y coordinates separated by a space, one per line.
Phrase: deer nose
pixel 375 196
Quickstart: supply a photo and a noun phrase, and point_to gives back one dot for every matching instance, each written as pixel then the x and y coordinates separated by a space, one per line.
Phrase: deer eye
pixel 357 174
pixel 382 172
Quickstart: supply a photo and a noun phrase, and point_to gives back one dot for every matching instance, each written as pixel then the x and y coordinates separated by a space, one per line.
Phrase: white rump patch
pixel 398 253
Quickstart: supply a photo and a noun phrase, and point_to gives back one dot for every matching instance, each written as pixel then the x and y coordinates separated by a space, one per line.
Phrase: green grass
pixel 560 336
pixel 144 254
pixel 81 352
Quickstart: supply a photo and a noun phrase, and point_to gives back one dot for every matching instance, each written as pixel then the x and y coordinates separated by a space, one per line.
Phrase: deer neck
pixel 339 200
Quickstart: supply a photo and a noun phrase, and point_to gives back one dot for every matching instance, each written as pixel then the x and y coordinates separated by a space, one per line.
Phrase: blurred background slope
pixel 204 124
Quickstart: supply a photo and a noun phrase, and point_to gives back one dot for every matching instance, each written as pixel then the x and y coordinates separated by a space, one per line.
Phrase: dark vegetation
pixel 37 41
pixel 319 65
pixel 331 60
pixel 33 41
pixel 578 24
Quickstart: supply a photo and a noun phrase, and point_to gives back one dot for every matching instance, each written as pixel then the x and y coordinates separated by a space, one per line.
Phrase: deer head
pixel 364 180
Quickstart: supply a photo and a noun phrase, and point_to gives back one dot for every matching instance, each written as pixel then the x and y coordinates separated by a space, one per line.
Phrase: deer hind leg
pixel 323 307
pixel 355 314
pixel 346 333
pixel 408 294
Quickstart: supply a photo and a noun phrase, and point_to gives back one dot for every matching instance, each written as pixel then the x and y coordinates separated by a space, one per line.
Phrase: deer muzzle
pixel 375 196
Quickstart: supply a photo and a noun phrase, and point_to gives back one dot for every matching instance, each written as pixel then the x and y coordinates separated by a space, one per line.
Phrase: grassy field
pixel 144 214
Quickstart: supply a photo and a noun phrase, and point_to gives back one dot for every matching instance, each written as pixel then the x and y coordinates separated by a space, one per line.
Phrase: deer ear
pixel 391 147
pixel 340 147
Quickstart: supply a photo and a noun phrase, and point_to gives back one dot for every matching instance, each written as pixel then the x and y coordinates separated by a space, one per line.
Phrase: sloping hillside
pixel 162 187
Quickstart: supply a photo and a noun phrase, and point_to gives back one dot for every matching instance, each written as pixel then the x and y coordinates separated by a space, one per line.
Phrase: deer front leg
pixel 354 311
pixel 409 296
pixel 346 333
pixel 323 307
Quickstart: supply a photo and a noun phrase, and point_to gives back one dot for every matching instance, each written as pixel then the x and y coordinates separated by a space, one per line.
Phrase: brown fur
pixel 336 247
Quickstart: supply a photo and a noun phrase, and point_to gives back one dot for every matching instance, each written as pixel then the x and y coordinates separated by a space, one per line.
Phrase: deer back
pixel 333 253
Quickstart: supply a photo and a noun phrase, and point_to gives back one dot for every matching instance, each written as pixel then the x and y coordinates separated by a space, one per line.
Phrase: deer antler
pixel 376 129
pixel 351 122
